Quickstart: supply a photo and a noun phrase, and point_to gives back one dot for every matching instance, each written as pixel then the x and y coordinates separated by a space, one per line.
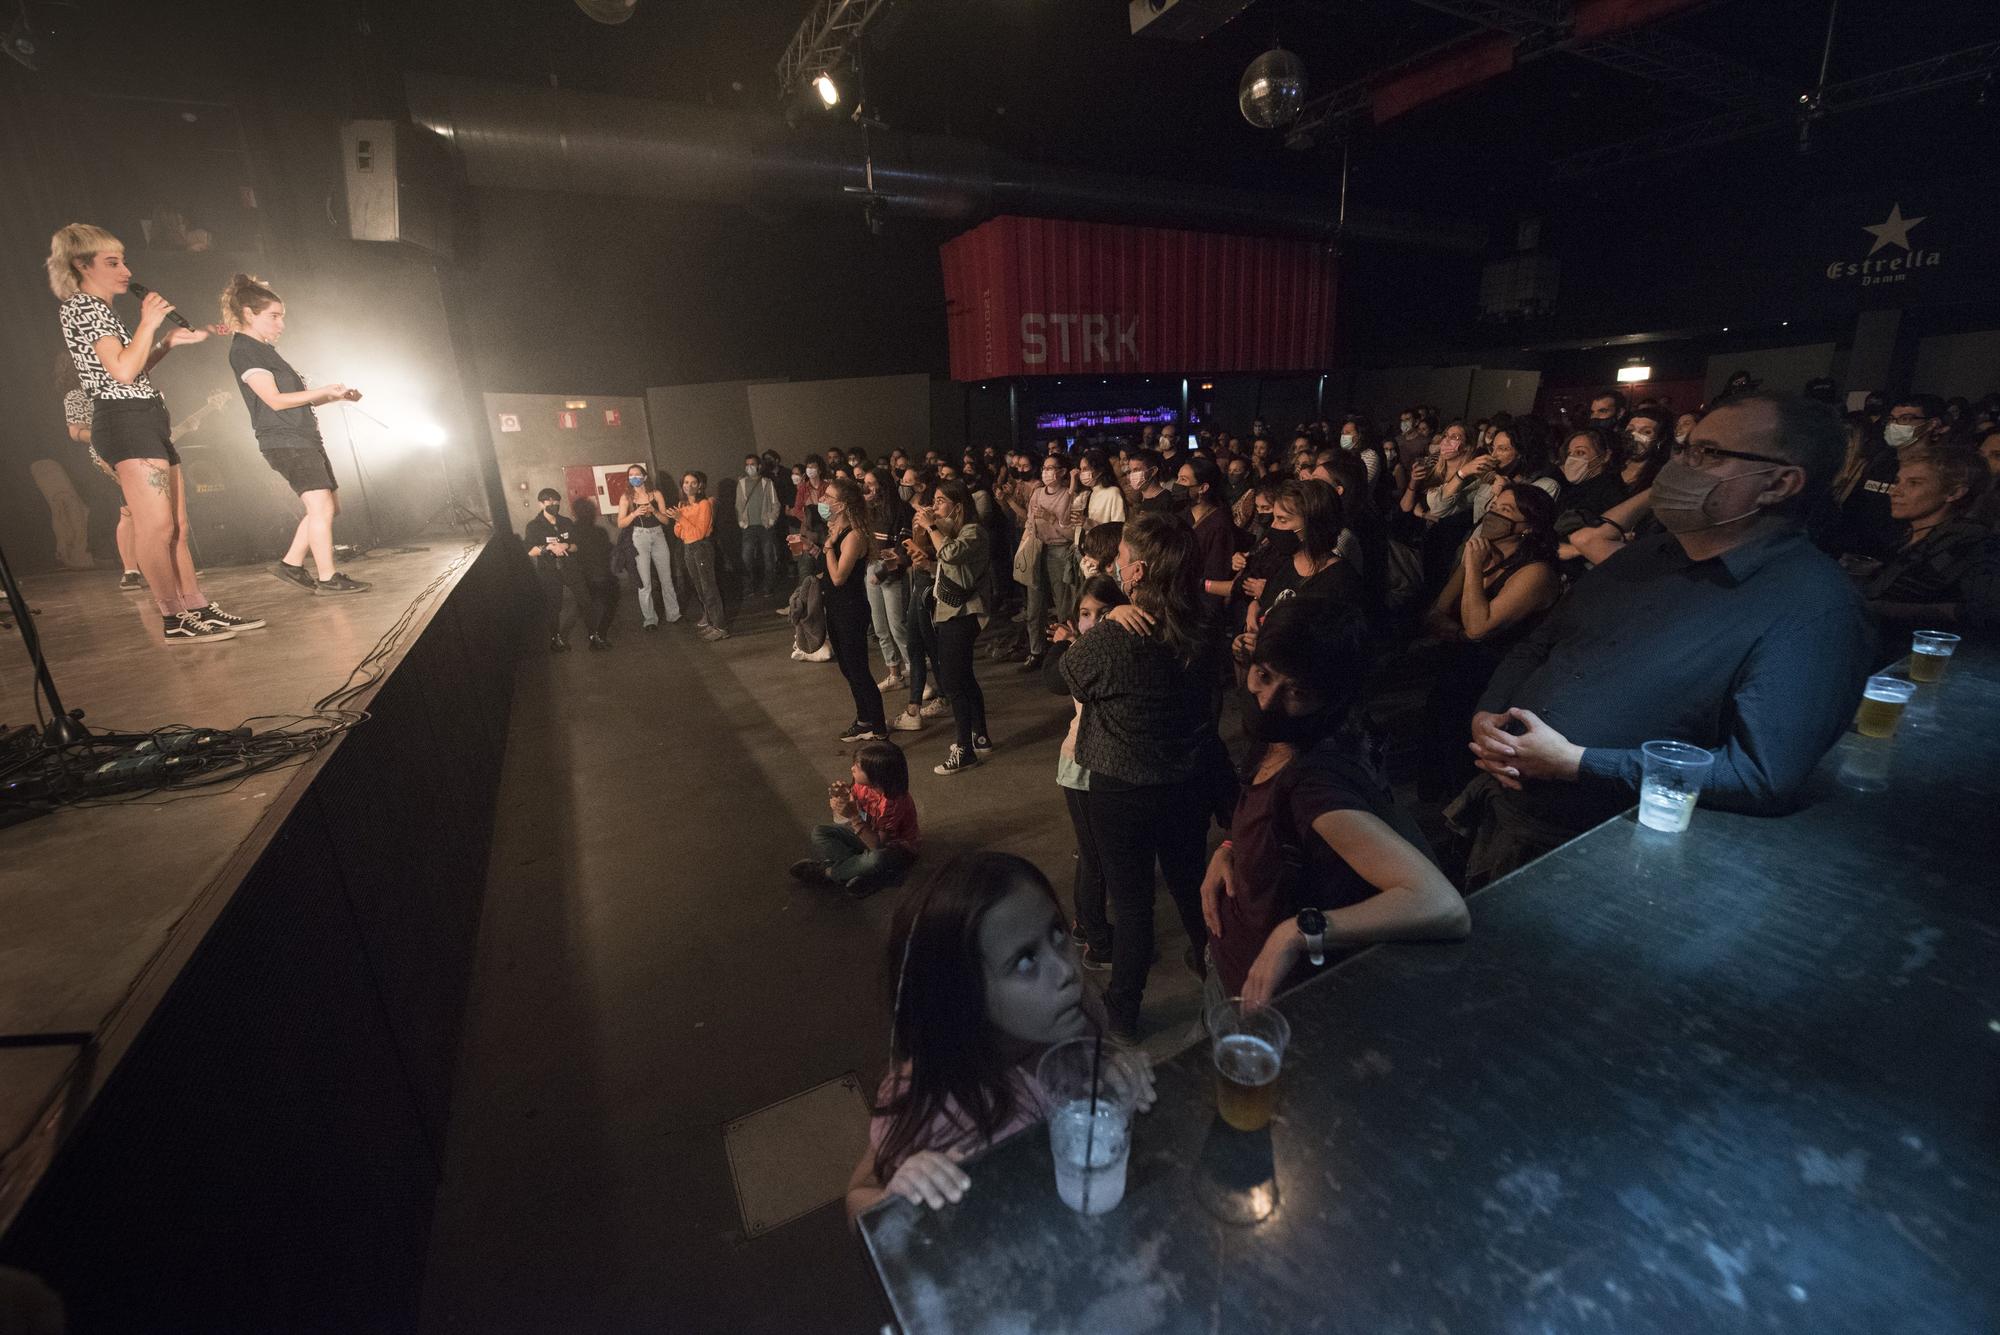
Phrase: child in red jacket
pixel 873 841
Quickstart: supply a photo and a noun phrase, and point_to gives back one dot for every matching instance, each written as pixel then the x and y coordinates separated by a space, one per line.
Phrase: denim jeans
pixel 847 858
pixel 1053 592
pixel 701 573
pixel 760 559
pixel 655 566
pixel 888 608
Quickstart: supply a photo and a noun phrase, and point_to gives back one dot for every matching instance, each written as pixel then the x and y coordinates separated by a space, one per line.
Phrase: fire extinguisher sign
pixel 566 420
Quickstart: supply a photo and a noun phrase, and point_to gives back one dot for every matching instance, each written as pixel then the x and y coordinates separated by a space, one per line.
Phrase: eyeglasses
pixel 1701 454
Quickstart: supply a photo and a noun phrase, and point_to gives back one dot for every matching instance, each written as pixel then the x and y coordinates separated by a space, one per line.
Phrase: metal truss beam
pixel 1917 77
pixel 828 32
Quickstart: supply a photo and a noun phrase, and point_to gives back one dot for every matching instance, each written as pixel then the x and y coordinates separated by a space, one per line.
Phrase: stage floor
pixel 101 904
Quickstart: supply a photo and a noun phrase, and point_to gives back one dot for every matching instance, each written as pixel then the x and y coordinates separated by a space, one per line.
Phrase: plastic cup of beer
pixel 1930 654
pixel 1882 702
pixel 1670 778
pixel 1248 1047
pixel 1091 1089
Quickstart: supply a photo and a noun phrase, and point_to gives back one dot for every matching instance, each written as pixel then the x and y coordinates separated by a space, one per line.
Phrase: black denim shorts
pixel 306 467
pixel 122 429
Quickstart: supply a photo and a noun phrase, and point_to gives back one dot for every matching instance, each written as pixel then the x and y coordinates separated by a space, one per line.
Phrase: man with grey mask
pixel 1728 629
pixel 1866 527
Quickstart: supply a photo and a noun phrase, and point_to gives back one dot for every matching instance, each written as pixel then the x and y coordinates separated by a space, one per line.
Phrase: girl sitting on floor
pixel 983 980
pixel 874 838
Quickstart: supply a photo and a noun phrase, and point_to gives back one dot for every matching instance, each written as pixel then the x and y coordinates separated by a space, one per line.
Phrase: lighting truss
pixel 824 38
pixel 1919 76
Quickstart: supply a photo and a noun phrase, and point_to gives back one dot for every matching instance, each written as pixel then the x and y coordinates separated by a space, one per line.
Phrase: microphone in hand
pixel 141 291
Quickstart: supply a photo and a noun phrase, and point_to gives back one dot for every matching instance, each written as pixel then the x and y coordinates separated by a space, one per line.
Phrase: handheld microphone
pixel 141 291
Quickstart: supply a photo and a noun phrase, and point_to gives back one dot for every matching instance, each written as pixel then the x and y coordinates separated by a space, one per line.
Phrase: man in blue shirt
pixel 1729 630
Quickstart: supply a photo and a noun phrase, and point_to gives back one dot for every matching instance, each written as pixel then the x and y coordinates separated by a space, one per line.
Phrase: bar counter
pixel 1742 1078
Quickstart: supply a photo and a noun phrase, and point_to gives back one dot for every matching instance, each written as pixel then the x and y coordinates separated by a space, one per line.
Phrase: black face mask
pixel 1297 730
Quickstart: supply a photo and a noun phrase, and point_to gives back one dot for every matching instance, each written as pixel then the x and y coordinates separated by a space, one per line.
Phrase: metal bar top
pixel 1742 1078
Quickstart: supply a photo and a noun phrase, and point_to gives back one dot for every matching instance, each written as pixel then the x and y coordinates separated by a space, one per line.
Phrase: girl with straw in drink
pixel 983 980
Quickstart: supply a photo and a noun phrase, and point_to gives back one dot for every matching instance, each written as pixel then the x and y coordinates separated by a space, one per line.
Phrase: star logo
pixel 1894 232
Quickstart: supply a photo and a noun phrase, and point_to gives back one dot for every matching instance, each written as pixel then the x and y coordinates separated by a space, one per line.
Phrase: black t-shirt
pixel 294 428
pixel 542 528
pixel 1866 527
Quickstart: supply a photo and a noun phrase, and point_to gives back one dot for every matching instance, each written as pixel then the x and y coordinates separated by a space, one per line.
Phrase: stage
pixel 185 978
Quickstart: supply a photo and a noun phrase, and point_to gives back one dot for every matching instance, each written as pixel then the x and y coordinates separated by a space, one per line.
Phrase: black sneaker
pixel 810 871
pixel 131 582
pixel 861 887
pixel 298 575
pixel 1077 935
pixel 862 732
pixel 1032 663
pixel 598 642
pixel 339 583
pixel 215 616
pixel 558 645
pixel 980 743
pixel 956 761
pixel 187 628
pixel 1094 961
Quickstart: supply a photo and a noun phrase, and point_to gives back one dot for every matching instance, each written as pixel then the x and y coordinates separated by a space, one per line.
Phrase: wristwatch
pixel 1312 923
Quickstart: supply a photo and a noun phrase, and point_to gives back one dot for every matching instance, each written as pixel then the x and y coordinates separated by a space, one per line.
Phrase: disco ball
pixel 1273 89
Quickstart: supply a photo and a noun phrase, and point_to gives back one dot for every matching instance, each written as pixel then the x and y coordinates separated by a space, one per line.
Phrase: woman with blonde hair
pixel 129 427
pixel 281 415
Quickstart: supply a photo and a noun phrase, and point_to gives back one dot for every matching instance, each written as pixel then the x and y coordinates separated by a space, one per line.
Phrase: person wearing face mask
pixel 1412 441
pixel 1144 494
pixel 1866 527
pixel 1048 552
pixel 1097 487
pixel 1728 629
pixel 963 562
pixel 757 515
pixel 1506 579
pixel 694 525
pixel 1430 493
pixel 643 511
pixel 1643 445
pixel 556 544
pixel 1319 852
pixel 1592 483
pixel 1092 926
pixel 810 478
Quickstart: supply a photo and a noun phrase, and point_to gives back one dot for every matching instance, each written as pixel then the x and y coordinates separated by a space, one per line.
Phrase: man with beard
pixel 1729 630
pixel 1319 853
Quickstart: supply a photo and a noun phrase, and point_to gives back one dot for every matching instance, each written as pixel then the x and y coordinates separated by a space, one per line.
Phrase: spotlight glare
pixel 829 91
pixel 1634 375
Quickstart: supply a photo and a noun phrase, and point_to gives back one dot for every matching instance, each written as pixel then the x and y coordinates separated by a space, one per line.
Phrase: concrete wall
pixel 1502 391
pixel 537 454
pixel 1781 370
pixel 872 413
pixel 1383 393
pixel 703 426
pixel 1967 364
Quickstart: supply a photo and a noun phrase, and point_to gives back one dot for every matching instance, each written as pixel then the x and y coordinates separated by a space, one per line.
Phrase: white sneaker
pixel 935 708
pixel 907 722
pixel 798 655
pixel 823 654
pixel 894 679
pixel 930 689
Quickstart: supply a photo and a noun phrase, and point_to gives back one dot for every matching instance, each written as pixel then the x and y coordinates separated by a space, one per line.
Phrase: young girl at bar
pixel 983 980
pixel 281 415
pixel 129 427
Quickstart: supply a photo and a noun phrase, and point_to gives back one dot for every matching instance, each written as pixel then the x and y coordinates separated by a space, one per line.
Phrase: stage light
pixel 828 90
pixel 1633 375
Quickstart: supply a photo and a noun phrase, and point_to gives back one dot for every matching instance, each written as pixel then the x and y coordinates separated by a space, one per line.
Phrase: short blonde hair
pixel 78 243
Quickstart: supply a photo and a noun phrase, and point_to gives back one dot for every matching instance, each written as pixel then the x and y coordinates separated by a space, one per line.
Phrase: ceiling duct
pixel 1181 20
pixel 514 138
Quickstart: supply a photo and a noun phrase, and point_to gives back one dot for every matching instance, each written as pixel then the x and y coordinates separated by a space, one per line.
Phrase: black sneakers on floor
pixel 339 583
pixel 863 732
pixel 187 628
pixel 213 615
pixel 298 575
pixel 599 643
pixel 956 761
pixel 131 582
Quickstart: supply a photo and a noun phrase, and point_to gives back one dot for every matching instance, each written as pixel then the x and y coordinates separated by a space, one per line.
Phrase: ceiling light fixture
pixel 828 90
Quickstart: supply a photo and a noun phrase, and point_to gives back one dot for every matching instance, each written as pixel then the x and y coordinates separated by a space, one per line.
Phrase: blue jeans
pixel 848 859
pixel 656 566
pixel 889 611
pixel 760 559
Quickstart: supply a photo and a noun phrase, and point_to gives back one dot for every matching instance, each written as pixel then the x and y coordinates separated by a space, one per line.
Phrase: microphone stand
pixel 63 728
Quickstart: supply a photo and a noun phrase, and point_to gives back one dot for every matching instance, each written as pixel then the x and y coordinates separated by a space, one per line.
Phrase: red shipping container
pixel 1045 296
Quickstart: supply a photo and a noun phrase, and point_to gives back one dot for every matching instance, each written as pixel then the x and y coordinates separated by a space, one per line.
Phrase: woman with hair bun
pixel 281 414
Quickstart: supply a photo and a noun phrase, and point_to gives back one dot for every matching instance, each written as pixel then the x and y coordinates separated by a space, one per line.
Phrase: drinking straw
pixel 1090 1129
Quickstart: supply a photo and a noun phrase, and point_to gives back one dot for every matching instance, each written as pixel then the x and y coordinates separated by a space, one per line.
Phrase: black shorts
pixel 122 429
pixel 306 467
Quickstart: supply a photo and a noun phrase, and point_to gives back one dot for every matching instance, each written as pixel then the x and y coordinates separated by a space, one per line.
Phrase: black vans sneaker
pixel 187 628
pixel 213 615
pixel 339 583
pixel 131 582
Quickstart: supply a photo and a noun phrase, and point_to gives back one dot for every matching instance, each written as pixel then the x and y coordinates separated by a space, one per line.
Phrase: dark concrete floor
pixel 648 973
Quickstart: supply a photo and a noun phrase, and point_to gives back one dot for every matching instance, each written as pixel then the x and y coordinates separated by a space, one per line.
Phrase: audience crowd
pixel 1222 615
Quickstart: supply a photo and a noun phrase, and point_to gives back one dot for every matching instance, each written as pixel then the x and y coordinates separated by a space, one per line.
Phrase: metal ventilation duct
pixel 515 138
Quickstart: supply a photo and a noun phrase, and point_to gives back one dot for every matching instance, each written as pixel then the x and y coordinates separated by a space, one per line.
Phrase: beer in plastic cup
pixel 1882 704
pixel 1090 1088
pixel 1930 654
pixel 1671 776
pixel 1248 1047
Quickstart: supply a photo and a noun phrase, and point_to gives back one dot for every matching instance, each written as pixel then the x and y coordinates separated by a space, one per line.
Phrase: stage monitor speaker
pixel 399 184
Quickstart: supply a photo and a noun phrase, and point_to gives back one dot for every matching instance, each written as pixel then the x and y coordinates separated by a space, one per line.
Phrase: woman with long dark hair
pixel 888 519
pixel 1312 510
pixel 982 979
pixel 847 551
pixel 960 589
pixel 1507 578
pixel 1201 487
pixel 1144 677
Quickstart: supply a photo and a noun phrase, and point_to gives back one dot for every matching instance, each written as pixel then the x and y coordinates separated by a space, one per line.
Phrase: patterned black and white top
pixel 85 319
pixel 76 408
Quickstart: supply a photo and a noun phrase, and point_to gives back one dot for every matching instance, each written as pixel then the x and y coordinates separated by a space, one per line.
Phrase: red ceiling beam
pixel 1601 18
pixel 1465 66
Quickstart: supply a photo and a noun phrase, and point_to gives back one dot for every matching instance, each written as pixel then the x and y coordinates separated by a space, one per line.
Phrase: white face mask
pixel 749 470
pixel 1576 468
pixel 1899 434
pixel 1347 441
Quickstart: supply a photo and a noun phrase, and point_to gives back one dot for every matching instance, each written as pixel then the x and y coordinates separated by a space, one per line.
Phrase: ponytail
pixel 246 295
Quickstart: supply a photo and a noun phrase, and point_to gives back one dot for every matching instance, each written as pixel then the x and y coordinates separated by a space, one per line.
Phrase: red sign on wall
pixel 566 420
pixel 611 417
pixel 1042 296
